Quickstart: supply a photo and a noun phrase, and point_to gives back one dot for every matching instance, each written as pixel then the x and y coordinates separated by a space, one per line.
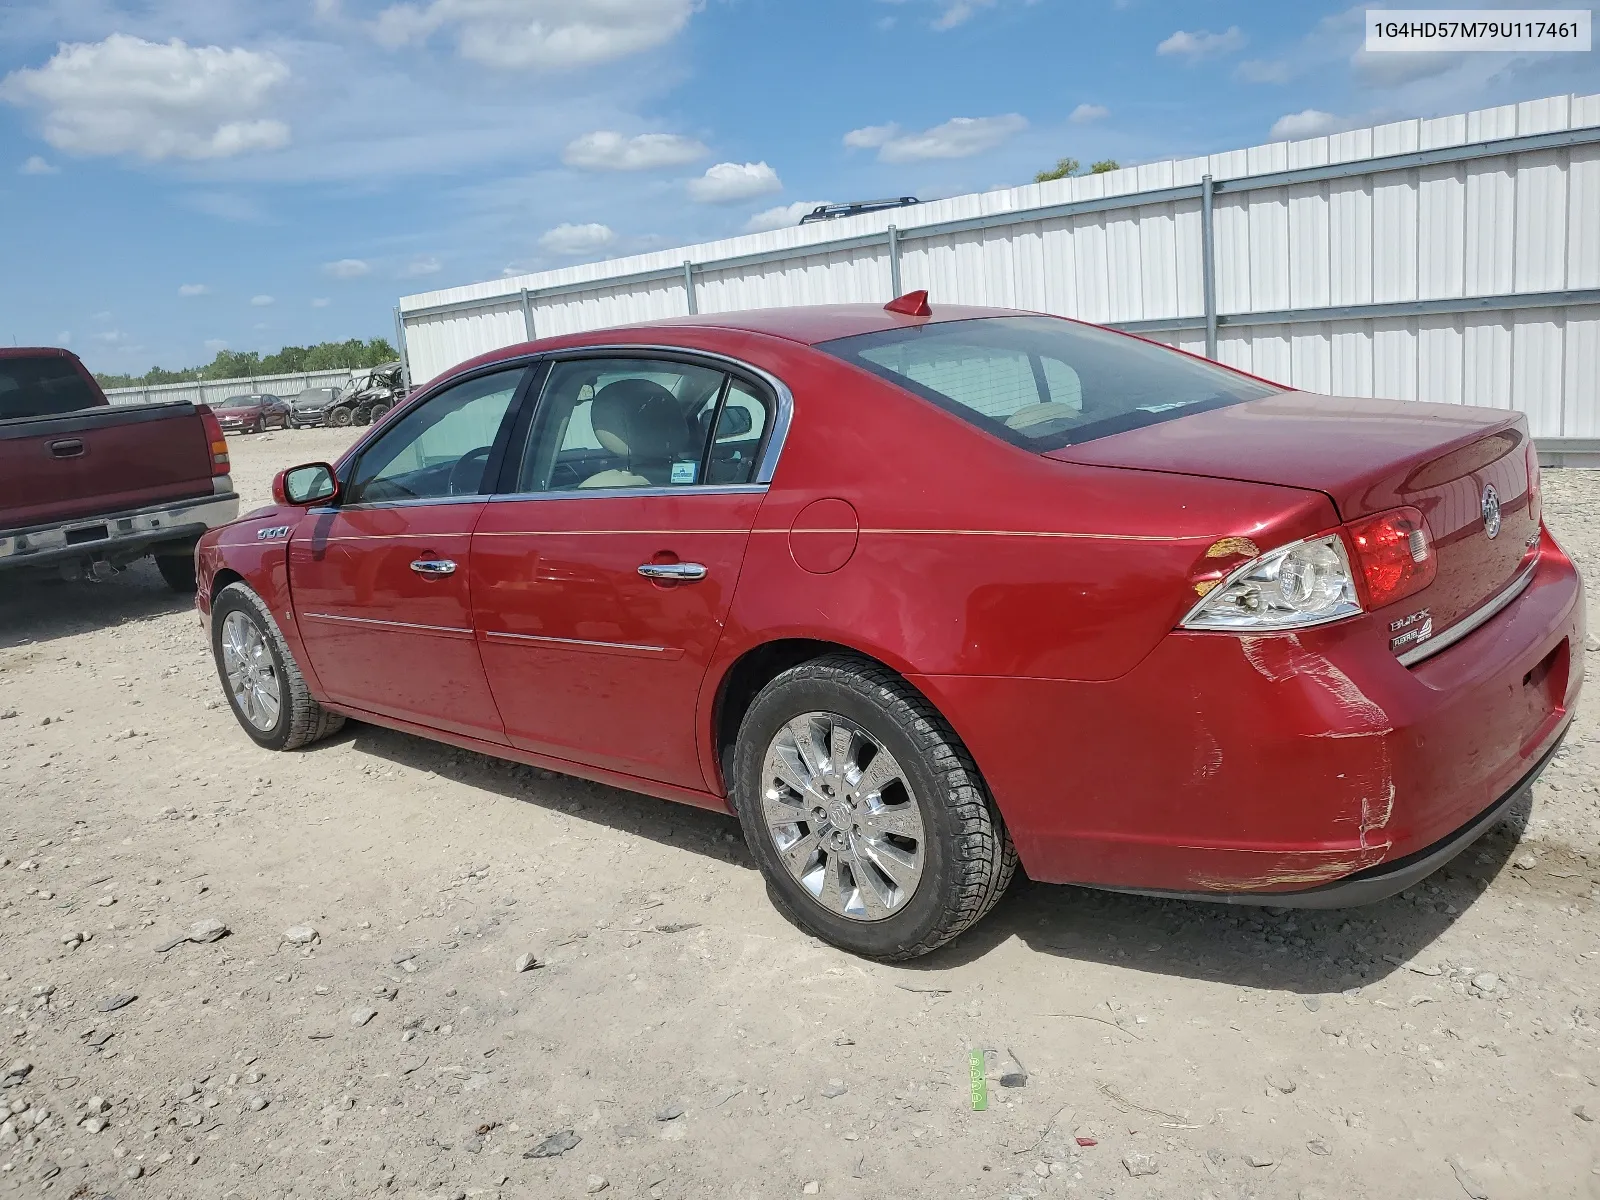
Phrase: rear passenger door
pixel 601 580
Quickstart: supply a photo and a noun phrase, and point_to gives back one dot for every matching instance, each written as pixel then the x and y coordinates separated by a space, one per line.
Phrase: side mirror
pixel 735 423
pixel 304 486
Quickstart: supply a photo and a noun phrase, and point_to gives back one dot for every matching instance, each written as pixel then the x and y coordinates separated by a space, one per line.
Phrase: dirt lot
pixel 1441 1044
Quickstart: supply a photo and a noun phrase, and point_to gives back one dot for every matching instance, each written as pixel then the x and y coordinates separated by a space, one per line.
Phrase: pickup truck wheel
pixel 339 418
pixel 864 811
pixel 178 571
pixel 265 688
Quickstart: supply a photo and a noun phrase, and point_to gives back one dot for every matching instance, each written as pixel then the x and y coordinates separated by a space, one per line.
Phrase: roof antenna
pixel 912 304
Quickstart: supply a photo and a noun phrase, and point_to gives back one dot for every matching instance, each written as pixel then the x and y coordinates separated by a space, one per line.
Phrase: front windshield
pixel 240 402
pixel 1044 382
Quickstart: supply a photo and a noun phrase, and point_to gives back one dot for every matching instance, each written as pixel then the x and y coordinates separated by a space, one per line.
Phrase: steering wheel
pixel 466 477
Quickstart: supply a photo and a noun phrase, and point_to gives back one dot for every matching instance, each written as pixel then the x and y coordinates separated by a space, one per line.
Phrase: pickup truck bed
pixel 87 487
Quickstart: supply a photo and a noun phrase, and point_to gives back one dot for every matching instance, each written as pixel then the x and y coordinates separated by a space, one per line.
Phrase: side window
pixel 621 423
pixel 741 428
pixel 440 449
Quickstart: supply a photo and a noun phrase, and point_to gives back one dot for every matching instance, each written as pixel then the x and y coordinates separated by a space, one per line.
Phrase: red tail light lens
pixel 215 439
pixel 1393 554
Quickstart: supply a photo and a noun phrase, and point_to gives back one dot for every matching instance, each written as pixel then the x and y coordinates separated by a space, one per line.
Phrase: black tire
pixel 178 571
pixel 378 411
pixel 362 415
pixel 338 418
pixel 968 856
pixel 301 720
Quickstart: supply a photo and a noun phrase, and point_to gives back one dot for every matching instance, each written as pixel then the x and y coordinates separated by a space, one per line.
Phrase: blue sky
pixel 180 175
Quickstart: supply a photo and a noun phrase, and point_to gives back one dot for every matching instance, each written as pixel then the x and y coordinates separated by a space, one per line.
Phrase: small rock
pixel 596 1183
pixel 1312 1003
pixel 133 1171
pixel 1525 861
pixel 1333 1031
pixel 257 1103
pixel 556 1144
pixel 1259 1160
pixel 19 1068
pixel 120 1000
pixel 1042 1170
pixel 526 962
pixel 833 1089
pixel 811 1188
pixel 106 901
pixel 300 935
pixel 1282 1083
pixel 208 930
pixel 1486 984
pixel 360 1016
pixel 98 1104
pixel 670 1112
pixel 93 1124
pixel 1140 1164
pixel 1582 1113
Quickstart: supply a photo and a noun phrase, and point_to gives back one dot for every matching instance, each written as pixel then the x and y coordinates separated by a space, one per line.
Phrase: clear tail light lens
pixel 1395 555
pixel 1535 497
pixel 1302 584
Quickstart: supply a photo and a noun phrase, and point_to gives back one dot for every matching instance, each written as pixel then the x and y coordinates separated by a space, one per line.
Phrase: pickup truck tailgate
pixel 100 460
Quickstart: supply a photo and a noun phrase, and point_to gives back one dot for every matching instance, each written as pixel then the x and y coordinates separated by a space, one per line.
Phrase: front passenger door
pixel 380 582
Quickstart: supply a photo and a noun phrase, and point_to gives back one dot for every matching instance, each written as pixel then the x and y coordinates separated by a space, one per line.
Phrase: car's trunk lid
pixel 1366 456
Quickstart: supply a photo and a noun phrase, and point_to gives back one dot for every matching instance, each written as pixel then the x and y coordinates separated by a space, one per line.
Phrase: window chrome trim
pixel 1470 623
pixel 620 493
pixel 767 464
pixel 417 502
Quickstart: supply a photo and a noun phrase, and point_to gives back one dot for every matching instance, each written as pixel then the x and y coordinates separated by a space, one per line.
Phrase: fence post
pixel 894 262
pixel 688 286
pixel 1208 264
pixel 405 358
pixel 527 316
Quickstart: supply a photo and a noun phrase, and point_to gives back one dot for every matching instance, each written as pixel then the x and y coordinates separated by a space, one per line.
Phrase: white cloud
pixel 1257 70
pixel 607 150
pixel 547 34
pixel 111 337
pixel 64 338
pixel 959 137
pixel 1306 124
pixel 1085 113
pixel 347 268
pixel 215 344
pixel 729 183
pixel 1202 43
pixel 261 301
pixel 418 267
pixel 151 100
pixel 577 239
pixel 225 205
pixel 780 217
pixel 193 289
pixel 959 13
pixel 1392 70
pixel 321 302
pixel 34 165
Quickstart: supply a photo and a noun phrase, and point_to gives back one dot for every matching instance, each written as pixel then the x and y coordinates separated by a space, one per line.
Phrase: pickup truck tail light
pixel 214 438
pixel 1358 567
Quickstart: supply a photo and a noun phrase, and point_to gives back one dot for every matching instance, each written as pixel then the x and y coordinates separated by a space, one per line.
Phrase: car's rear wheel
pixel 865 812
pixel 265 688
pixel 177 570
pixel 339 418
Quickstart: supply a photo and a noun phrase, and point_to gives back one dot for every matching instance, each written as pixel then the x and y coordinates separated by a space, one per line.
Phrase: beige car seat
pixel 642 423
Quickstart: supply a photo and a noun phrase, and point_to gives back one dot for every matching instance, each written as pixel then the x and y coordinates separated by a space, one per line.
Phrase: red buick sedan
pixel 920 594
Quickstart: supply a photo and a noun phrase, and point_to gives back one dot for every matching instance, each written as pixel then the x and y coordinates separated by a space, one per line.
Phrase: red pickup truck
pixel 87 487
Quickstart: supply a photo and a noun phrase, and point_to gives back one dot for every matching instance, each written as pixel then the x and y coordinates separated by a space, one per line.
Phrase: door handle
pixel 68 448
pixel 678 572
pixel 434 568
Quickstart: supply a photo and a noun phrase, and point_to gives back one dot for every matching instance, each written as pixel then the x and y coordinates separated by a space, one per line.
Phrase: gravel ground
pixel 363 1028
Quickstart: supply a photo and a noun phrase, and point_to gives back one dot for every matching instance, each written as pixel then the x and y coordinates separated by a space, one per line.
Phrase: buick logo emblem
pixel 1491 510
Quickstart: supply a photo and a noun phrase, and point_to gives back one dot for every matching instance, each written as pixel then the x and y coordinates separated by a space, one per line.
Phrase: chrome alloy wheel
pixel 842 814
pixel 252 677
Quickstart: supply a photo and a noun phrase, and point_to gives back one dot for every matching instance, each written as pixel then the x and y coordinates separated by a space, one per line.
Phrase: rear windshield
pixel 1043 382
pixel 43 387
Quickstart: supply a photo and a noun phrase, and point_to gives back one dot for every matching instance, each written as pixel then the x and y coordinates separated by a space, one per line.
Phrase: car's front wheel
pixel 865 812
pixel 265 688
pixel 339 418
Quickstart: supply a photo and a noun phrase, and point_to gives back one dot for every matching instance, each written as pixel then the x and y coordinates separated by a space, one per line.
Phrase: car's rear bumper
pixel 1270 766
pixel 122 535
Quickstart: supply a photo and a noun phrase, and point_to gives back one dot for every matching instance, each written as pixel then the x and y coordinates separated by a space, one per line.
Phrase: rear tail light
pixel 1535 497
pixel 214 438
pixel 1394 555
pixel 1361 566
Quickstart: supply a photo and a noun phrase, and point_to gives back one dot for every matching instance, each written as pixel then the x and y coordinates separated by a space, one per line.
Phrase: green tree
pixel 353 354
pixel 1104 165
pixel 1064 167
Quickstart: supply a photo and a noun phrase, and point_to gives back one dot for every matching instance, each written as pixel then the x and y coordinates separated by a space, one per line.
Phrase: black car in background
pixel 309 407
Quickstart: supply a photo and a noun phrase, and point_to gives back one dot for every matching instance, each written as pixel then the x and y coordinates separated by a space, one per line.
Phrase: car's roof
pixel 811 324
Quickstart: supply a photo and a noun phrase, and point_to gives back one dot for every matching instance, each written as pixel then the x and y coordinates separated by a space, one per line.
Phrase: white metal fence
pixel 213 390
pixel 1454 259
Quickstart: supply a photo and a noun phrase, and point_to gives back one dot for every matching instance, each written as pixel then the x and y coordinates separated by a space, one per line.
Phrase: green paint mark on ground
pixel 980 1085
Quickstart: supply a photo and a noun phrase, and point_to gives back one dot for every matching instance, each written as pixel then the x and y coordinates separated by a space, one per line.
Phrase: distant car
pixel 310 406
pixel 854 208
pixel 367 397
pixel 253 413
pixel 920 593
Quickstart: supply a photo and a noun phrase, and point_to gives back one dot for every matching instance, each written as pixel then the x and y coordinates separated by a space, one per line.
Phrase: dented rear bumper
pixel 1307 769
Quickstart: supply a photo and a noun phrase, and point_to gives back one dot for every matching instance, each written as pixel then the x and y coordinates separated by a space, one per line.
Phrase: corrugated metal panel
pixel 212 390
pixel 1527 221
